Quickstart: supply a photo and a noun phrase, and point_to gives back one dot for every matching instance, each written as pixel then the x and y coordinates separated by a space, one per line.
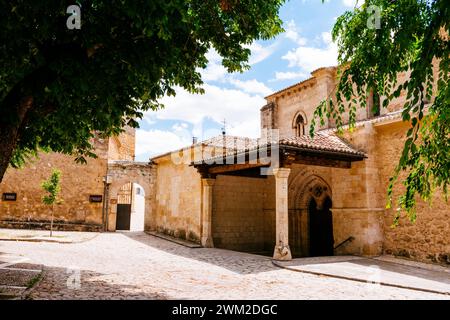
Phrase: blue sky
pixel 289 58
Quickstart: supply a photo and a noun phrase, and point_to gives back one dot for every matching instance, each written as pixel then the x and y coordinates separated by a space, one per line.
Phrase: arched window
pixel 300 126
pixel 374 105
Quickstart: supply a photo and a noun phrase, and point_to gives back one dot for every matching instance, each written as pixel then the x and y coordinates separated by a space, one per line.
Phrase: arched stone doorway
pixel 320 228
pixel 139 180
pixel 130 207
pixel 309 209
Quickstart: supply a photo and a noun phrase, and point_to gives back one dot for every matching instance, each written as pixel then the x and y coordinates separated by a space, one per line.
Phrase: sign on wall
pixel 9 196
pixel 95 198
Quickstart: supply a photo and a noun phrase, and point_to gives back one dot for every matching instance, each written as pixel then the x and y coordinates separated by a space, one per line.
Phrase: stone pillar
pixel 282 250
pixel 207 203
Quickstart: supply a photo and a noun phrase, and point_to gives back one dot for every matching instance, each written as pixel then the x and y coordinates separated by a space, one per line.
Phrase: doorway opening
pixel 321 239
pixel 130 207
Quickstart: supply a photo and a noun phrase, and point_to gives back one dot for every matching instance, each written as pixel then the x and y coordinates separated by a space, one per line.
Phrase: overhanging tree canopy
pixel 413 36
pixel 58 86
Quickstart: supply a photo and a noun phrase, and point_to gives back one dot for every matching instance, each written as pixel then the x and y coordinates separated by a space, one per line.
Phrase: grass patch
pixel 33 281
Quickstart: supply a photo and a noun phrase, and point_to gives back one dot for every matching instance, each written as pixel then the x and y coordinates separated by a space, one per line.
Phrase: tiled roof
pixel 322 141
pixel 395 115
pixel 229 142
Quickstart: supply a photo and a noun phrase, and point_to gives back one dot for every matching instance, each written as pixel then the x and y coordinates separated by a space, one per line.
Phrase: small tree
pixel 53 187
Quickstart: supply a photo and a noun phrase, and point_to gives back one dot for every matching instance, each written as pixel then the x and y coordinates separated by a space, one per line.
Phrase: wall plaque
pixel 9 196
pixel 95 198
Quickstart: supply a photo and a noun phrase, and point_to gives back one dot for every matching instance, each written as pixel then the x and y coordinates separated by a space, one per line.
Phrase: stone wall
pixel 238 215
pixel 305 96
pixel 122 146
pixel 78 182
pixel 428 239
pixel 177 200
pixel 358 199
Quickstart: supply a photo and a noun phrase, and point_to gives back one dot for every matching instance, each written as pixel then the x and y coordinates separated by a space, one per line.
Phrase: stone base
pixel 207 242
pixel 45 225
pixel 282 253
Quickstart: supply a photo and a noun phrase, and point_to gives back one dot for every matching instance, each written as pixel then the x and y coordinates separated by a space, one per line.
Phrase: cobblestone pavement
pixel 140 266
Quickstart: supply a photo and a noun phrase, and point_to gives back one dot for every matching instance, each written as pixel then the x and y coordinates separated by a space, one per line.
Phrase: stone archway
pixel 123 172
pixel 303 188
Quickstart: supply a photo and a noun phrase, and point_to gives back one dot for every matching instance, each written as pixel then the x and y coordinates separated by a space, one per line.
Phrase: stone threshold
pixel 182 242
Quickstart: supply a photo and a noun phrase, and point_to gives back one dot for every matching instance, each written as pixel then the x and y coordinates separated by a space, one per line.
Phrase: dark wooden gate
pixel 123 216
pixel 320 229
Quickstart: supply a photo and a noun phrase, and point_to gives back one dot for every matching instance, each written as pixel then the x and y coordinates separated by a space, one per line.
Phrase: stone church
pixel 288 197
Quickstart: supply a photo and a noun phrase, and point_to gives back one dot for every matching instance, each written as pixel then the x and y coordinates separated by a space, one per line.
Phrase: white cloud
pixel 311 58
pixel 259 52
pixel 352 3
pixel 214 71
pixel 217 103
pixel 327 38
pixel 279 76
pixel 240 107
pixel 180 127
pixel 153 142
pixel 293 34
pixel 251 86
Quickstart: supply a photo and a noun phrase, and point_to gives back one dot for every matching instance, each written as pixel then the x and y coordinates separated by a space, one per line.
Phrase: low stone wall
pixel 45 225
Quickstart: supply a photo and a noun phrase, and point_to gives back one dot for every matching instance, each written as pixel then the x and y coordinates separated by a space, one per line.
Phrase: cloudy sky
pixel 289 58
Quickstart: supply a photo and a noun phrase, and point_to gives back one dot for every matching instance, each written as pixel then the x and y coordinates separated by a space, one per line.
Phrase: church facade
pixel 285 195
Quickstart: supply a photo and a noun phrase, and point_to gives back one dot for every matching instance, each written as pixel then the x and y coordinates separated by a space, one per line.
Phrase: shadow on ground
pixel 21 281
pixel 239 262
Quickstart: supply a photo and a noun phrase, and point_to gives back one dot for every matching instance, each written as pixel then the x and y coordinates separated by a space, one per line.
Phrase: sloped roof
pixel 229 142
pixel 322 141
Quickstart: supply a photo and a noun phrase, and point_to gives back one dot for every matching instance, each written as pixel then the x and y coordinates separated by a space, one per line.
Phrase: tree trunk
pixel 51 222
pixel 9 133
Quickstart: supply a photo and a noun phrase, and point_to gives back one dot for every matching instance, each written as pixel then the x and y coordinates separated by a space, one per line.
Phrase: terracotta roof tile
pixel 322 141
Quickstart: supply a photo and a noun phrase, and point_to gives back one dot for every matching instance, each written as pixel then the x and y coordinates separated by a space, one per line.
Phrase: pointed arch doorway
pixel 310 216
pixel 320 228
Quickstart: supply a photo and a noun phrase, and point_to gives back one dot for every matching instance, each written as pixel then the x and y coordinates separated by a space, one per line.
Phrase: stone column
pixel 207 203
pixel 282 250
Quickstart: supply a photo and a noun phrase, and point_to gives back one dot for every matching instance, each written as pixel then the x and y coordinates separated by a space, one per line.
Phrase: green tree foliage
pixel 59 86
pixel 412 37
pixel 52 187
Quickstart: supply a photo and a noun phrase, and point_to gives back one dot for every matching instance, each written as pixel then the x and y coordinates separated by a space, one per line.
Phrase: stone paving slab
pixel 44 236
pixel 140 266
pixel 17 278
pixel 385 272
pixel 414 264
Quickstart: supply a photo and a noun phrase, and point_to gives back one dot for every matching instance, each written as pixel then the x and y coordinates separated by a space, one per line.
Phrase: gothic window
pixel 299 126
pixel 374 105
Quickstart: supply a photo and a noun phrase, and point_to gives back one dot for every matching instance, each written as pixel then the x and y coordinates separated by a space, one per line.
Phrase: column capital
pixel 208 181
pixel 281 172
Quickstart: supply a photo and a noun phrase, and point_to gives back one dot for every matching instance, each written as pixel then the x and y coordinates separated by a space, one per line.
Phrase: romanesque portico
pixel 275 164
